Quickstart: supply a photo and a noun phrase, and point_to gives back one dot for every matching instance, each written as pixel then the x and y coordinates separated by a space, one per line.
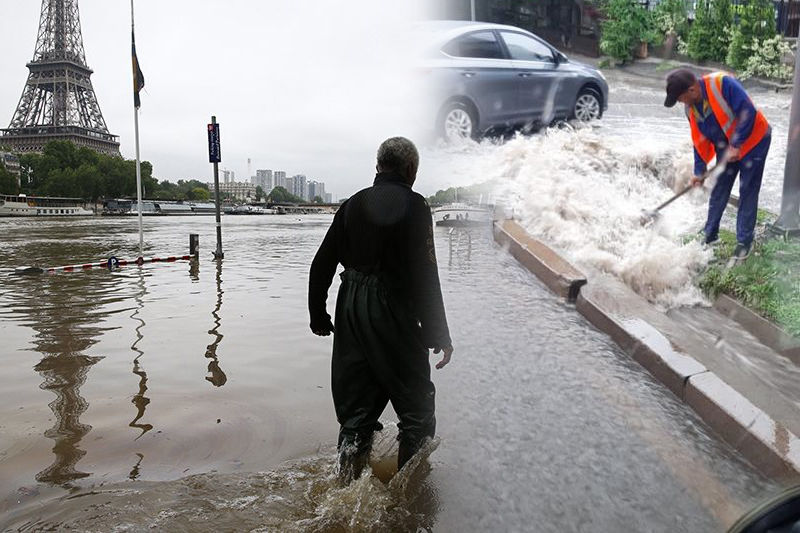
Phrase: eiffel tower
pixel 58 102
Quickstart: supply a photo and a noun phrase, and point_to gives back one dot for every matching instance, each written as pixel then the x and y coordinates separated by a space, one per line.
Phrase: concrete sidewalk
pixel 746 392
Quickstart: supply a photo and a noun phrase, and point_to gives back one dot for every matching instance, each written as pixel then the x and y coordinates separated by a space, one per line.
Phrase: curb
pixel 759 327
pixel 555 272
pixel 766 443
pixel 646 345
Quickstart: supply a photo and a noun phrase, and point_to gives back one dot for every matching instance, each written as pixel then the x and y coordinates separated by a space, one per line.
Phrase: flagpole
pixel 138 159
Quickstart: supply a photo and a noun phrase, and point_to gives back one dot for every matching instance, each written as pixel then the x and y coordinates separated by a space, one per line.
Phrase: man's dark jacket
pixel 385 230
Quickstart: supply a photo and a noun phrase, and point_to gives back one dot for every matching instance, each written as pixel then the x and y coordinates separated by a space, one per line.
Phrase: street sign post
pixel 214 150
pixel 215 157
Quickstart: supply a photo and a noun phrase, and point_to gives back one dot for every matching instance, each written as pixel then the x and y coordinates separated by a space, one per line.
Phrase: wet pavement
pixel 192 395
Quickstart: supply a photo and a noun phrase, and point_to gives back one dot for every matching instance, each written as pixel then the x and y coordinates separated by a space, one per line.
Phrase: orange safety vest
pixel 727 120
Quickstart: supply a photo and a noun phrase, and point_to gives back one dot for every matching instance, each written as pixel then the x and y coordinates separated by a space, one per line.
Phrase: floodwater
pixel 192 396
pixel 584 188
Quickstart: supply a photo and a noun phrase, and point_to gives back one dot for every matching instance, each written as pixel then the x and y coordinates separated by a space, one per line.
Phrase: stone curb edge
pixel 559 275
pixel 766 443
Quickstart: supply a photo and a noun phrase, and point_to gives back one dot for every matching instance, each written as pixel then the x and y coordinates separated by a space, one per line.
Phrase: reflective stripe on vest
pixel 726 119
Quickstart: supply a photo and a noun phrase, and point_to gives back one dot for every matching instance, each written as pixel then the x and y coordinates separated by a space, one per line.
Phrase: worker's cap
pixel 678 82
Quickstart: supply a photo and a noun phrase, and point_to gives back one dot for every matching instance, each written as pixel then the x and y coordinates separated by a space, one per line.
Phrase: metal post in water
pixel 788 223
pixel 194 244
pixel 215 156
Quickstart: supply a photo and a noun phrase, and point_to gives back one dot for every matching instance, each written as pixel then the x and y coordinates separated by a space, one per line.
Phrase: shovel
pixel 649 217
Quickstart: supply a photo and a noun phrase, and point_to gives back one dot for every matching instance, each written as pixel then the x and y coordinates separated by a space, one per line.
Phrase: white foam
pixel 583 191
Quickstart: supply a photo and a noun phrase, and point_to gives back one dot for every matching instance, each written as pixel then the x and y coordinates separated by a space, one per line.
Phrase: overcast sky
pixel 297 85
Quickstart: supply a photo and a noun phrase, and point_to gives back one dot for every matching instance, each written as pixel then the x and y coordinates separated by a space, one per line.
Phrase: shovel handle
pixel 688 188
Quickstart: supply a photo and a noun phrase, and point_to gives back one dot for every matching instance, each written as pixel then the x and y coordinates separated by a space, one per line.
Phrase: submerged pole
pixel 788 223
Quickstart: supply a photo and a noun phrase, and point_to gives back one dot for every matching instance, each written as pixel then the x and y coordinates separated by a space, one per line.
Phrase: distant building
pixel 279 179
pixel 315 188
pixel 328 197
pixel 297 185
pixel 263 179
pixel 11 162
pixel 240 191
pixel 226 176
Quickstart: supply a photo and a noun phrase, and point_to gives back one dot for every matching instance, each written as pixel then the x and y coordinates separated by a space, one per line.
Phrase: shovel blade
pixel 649 217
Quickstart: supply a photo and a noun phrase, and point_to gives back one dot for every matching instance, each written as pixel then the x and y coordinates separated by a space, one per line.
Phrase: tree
pixel 318 200
pixel 722 15
pixel 259 193
pixel 62 169
pixel 756 24
pixel 199 194
pixel 8 183
pixel 281 195
pixel 701 34
pixel 627 25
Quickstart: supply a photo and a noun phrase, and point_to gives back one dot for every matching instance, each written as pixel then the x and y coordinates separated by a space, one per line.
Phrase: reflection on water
pixel 63 375
pixel 134 475
pixel 139 399
pixel 217 377
pixel 64 329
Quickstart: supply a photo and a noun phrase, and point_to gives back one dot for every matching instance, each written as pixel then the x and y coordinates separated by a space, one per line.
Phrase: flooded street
pixel 192 396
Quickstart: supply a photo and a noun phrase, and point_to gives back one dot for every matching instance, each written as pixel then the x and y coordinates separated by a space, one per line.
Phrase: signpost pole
pixel 215 156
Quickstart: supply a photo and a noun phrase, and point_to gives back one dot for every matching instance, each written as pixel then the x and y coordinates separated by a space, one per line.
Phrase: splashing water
pixel 300 496
pixel 582 190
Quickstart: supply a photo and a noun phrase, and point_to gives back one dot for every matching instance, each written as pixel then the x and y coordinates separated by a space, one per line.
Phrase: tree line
pixel 64 170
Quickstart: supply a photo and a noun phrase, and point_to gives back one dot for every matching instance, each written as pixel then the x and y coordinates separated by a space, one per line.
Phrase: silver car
pixel 489 76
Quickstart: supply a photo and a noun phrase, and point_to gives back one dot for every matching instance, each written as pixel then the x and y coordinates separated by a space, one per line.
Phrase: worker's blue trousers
pixel 750 170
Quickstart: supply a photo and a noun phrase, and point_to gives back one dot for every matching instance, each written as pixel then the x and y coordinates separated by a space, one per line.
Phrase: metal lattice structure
pixel 58 101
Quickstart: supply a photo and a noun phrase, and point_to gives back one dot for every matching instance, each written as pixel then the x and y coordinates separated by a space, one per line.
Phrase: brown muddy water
pixel 192 397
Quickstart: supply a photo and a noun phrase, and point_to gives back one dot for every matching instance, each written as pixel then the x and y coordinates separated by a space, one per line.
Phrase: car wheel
pixel 458 122
pixel 588 105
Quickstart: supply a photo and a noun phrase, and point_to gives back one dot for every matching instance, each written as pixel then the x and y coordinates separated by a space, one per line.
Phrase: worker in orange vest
pixel 725 124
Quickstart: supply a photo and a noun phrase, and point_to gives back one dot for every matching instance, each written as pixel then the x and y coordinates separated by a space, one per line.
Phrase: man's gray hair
pixel 397 153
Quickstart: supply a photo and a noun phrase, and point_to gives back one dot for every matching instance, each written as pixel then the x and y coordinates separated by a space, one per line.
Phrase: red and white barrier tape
pixel 119 263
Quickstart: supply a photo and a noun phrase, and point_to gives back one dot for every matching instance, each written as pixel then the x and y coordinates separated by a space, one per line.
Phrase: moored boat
pixel 463 215
pixel 30 206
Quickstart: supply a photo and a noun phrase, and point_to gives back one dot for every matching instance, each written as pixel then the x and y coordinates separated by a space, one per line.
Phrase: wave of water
pixel 583 190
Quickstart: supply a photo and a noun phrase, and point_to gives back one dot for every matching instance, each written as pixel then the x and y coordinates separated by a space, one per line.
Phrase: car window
pixel 481 44
pixel 525 48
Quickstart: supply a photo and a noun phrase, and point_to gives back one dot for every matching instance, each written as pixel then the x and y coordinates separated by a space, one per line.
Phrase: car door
pixel 537 74
pixel 484 74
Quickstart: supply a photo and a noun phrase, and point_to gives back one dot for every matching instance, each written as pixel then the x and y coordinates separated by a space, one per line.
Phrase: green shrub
pixel 765 58
pixel 756 21
pixel 627 25
pixel 671 17
pixel 721 30
pixel 701 34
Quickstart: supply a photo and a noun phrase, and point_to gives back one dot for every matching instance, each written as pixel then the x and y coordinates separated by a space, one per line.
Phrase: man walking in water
pixel 725 124
pixel 389 310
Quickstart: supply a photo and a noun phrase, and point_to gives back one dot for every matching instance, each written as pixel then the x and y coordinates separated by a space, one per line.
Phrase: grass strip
pixel 768 282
